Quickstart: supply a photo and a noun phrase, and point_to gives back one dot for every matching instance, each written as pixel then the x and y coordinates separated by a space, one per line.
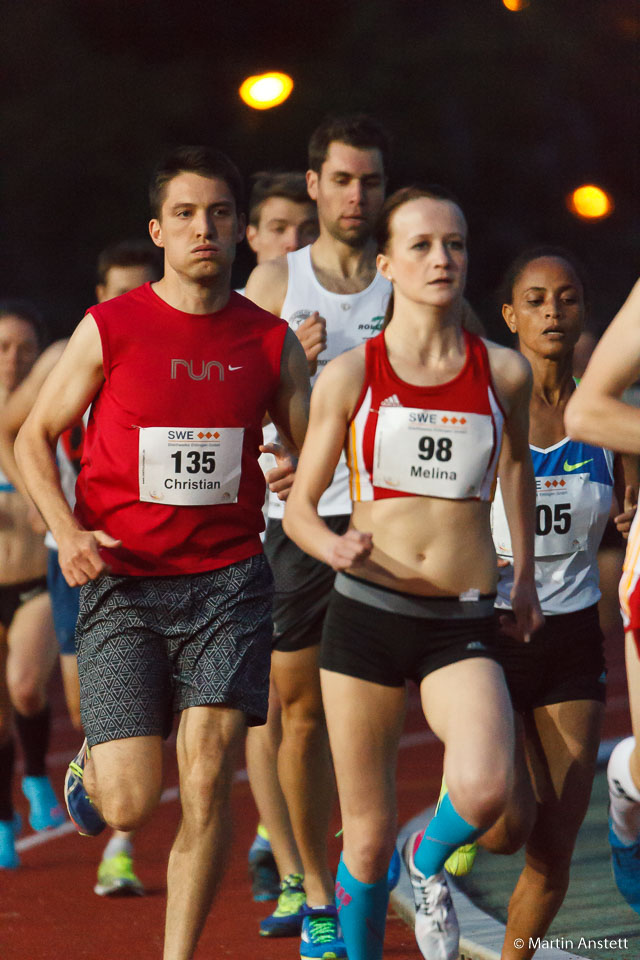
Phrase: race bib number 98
pixel 194 466
pixel 432 453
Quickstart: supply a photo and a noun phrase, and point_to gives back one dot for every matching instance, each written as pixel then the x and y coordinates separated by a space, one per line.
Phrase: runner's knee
pixel 130 807
pixel 204 784
pixel 477 798
pixel 368 848
pixel 25 690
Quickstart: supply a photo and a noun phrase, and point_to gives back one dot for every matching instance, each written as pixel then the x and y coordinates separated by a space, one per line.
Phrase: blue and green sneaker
pixel 321 937
pixel 286 919
pixel 82 812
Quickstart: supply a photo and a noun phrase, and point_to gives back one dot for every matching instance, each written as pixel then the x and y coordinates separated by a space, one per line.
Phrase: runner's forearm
pixel 35 458
pixel 517 484
pixel 603 420
pixel 302 524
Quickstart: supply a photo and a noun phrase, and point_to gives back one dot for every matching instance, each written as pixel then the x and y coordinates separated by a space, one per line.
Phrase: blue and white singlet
pixel 574 490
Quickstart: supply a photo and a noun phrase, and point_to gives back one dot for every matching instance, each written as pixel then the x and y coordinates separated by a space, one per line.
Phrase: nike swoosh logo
pixel 234 368
pixel 574 466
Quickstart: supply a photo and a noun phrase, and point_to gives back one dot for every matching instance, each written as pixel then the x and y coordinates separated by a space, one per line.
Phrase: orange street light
pixel 590 202
pixel 515 5
pixel 266 90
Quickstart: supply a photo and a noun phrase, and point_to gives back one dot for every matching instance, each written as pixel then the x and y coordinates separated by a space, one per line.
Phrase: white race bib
pixel 563 517
pixel 432 453
pixel 190 466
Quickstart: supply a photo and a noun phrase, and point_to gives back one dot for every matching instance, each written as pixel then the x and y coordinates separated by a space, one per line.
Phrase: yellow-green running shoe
pixel 286 919
pixel 461 861
pixel 117 879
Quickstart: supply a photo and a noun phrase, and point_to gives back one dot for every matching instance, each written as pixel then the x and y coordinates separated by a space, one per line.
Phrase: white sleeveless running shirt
pixel 351 319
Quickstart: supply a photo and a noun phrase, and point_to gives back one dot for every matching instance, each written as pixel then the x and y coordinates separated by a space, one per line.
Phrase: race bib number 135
pixel 194 466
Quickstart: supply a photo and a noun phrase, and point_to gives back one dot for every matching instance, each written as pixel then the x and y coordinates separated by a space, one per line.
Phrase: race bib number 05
pixel 563 517
pixel 186 467
pixel 432 453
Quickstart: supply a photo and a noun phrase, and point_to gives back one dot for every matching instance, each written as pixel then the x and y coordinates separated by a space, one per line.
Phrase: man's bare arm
pixel 65 395
pixel 267 285
pixel 595 413
pixel 290 414
pixel 290 410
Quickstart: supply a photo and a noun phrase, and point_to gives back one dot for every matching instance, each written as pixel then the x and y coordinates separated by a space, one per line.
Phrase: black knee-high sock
pixel 34 739
pixel 7 755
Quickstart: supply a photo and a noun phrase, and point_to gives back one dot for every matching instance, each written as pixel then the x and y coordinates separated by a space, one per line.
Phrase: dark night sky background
pixel 509 110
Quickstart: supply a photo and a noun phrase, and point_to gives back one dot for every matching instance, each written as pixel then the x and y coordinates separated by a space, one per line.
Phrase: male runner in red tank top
pixel 176 594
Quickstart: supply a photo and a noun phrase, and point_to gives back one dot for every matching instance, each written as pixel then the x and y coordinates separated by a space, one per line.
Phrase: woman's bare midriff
pixel 23 555
pixel 428 546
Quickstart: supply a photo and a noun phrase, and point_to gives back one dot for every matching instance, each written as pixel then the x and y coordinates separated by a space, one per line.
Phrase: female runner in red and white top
pixel 428 414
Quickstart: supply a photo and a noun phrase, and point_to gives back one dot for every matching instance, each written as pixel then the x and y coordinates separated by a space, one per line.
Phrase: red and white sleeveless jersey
pixel 170 458
pixel 629 589
pixel 439 441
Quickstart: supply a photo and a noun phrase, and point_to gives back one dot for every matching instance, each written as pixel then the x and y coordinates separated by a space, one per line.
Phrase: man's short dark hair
pixel 359 130
pixel 270 183
pixel 205 161
pixel 27 311
pixel 128 253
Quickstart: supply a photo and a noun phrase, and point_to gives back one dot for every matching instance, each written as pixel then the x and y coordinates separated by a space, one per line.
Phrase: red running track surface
pixel 48 910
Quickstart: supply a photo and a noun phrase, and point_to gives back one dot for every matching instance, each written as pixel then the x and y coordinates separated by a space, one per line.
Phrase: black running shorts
pixel 382 645
pixel 14 595
pixel 150 646
pixel 303 586
pixel 564 660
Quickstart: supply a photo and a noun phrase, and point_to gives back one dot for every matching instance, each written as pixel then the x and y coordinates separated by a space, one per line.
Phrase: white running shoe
pixel 437 931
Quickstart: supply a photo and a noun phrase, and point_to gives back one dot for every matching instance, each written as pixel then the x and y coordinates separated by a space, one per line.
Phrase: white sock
pixel 117 845
pixel 624 795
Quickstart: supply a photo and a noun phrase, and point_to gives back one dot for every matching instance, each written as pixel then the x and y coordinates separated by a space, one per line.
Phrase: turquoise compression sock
pixel 445 832
pixel 362 911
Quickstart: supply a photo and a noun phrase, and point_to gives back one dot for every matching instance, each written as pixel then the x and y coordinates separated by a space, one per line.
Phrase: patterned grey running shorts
pixel 148 646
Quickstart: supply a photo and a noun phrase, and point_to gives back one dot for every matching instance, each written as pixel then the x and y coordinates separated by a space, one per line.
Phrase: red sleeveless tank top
pixel 439 441
pixel 170 458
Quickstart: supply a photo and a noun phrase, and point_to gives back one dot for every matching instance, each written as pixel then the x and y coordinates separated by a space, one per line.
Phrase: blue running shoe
pixel 393 873
pixel 84 815
pixel 286 919
pixel 9 830
pixel 44 810
pixel 626 869
pixel 265 879
pixel 321 937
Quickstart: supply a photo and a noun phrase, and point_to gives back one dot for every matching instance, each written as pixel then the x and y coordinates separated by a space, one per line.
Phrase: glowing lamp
pixel 590 202
pixel 266 90
pixel 515 5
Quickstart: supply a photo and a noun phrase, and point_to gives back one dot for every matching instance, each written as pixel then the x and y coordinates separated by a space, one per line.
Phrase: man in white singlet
pixel 281 218
pixel 332 296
